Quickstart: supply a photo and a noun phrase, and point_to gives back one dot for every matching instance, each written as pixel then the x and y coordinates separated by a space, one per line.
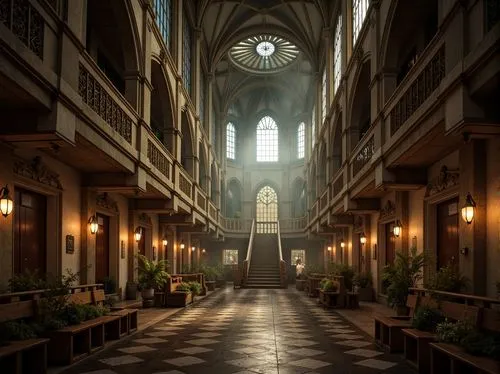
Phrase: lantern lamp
pixel 164 241
pixel 203 250
pixel 6 203
pixel 182 245
pixel 329 249
pixel 362 239
pixel 193 248
pixel 396 230
pixel 468 209
pixel 342 243
pixel 94 225
pixel 138 234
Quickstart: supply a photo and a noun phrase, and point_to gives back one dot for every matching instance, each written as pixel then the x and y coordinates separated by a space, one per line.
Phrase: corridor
pixel 246 332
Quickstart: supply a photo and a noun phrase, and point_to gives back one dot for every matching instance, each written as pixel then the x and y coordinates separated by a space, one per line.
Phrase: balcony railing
pixel 201 200
pixel 95 94
pixel 338 185
pixel 25 22
pixel 267 227
pixel 314 211
pixel 236 224
pixel 419 90
pixel 185 185
pixel 363 156
pixel 212 211
pixel 293 224
pixel 323 202
pixel 159 158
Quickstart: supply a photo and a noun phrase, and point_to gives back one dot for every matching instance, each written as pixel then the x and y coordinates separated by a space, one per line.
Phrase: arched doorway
pixel 266 212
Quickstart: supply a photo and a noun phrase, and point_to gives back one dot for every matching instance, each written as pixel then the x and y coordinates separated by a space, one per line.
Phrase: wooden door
pixel 30 230
pixel 141 244
pixel 447 233
pixel 102 249
pixel 390 244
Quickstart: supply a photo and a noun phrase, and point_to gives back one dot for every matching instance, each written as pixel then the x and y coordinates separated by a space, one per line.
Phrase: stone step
pixel 269 285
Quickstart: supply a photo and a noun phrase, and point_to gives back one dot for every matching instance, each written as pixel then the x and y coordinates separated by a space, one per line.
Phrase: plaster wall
pixel 493 217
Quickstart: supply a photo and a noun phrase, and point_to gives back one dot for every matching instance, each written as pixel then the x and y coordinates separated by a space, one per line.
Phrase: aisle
pixel 247 332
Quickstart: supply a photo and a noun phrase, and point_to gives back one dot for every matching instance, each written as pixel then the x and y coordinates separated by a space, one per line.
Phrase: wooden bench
pixel 197 277
pixel 449 358
pixel 416 342
pixel 24 356
pixel 127 317
pixel 73 343
pixel 313 286
pixel 388 333
pixel 176 298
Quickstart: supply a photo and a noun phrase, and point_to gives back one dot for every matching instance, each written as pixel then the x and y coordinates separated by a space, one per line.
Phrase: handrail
pixel 468 299
pixel 283 273
pixel 246 262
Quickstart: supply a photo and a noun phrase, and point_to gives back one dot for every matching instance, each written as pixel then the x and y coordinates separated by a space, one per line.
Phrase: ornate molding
pixel 37 171
pixel 144 219
pixel 388 211
pixel 446 179
pixel 359 223
pixel 105 202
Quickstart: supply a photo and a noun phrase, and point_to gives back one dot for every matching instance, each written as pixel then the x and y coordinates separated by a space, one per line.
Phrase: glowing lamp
pixel 138 234
pixel 329 249
pixel 342 243
pixel 164 241
pixel 182 245
pixel 467 210
pixel 362 239
pixel 396 230
pixel 193 248
pixel 6 203
pixel 93 224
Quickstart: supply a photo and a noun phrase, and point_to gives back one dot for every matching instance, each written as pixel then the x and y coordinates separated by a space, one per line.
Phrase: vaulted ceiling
pixel 243 92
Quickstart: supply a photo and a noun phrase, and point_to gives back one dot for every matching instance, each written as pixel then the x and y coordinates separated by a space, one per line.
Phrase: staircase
pixel 264 266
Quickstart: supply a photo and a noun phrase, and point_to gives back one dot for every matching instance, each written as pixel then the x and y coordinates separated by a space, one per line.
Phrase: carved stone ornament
pixel 144 219
pixel 37 171
pixel 105 202
pixel 446 179
pixel 388 210
pixel 358 223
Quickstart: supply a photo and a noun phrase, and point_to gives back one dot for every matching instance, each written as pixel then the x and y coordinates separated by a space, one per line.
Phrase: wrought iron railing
pixel 419 91
pixel 158 159
pixel 185 184
pixel 363 156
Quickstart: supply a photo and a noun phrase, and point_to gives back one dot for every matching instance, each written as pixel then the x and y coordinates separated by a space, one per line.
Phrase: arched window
pixel 230 141
pixel 313 127
pixel 337 55
pixel 163 10
pixel 324 97
pixel 267 210
pixel 267 140
pixel 186 58
pixel 359 11
pixel 301 135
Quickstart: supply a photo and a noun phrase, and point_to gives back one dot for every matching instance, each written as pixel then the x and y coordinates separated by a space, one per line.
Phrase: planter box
pixel 210 285
pixel 300 284
pixel 365 294
pixel 330 299
pixel 220 283
pixel 179 299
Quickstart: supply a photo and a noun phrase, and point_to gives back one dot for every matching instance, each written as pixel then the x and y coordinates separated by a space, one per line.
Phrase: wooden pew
pixel 176 298
pixel 127 317
pixel 24 356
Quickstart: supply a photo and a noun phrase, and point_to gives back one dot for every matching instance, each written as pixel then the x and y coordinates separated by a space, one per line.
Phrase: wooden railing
pixel 185 185
pixel 419 90
pixel 270 227
pixel 14 297
pixel 480 301
pixel 293 224
pixel 363 156
pixel 338 185
pixel 100 98
pixel 158 157
pixel 246 262
pixel 283 275
pixel 236 224
pixel 25 22
pixel 323 202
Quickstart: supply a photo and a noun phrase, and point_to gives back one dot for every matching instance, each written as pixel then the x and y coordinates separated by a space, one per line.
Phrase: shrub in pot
pixel 195 288
pixel 363 282
pixel 345 271
pixel 448 279
pixel 426 318
pixel 152 276
pixel 328 285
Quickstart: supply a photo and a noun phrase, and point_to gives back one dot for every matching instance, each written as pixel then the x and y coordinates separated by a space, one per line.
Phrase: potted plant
pixel 448 279
pixel 405 275
pixel 363 282
pixel 345 271
pixel 152 276
pixel 195 288
pixel 329 292
pixel 210 276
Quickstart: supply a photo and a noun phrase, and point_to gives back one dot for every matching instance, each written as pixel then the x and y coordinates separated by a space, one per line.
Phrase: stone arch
pixel 203 171
pixel 162 115
pixel 360 105
pixel 233 198
pixel 187 146
pixel 113 42
pixel 336 145
pixel 299 197
pixel 399 51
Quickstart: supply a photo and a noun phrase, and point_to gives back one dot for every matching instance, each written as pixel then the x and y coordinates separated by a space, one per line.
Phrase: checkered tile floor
pixel 246 332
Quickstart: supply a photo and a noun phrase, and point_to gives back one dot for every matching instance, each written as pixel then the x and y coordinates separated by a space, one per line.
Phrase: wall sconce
pixel 164 241
pixel 182 244
pixel 94 225
pixel 203 250
pixel 6 203
pixel 193 248
pixel 329 249
pixel 362 238
pixel 468 209
pixel 342 243
pixel 138 234
pixel 396 230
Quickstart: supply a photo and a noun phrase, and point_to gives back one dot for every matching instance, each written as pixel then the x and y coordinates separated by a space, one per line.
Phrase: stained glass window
pixel 186 58
pixel 337 55
pixel 267 140
pixel 324 97
pixel 301 134
pixel 230 256
pixel 230 141
pixel 359 11
pixel 313 127
pixel 163 10
pixel 267 210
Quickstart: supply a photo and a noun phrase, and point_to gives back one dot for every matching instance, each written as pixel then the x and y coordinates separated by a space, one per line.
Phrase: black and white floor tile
pixel 247 332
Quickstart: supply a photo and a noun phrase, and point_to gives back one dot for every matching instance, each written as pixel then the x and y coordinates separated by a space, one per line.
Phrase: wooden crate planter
pixel 329 299
pixel 416 348
pixel 300 284
pixel 197 277
pixel 179 299
pixel 25 356
pixel 451 359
